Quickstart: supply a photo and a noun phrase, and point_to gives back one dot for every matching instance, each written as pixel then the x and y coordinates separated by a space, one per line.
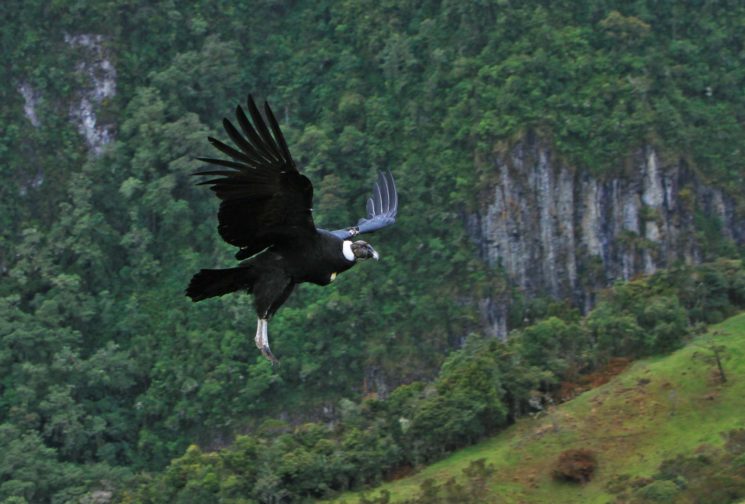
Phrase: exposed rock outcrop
pixel 565 233
pixel 30 102
pixel 96 65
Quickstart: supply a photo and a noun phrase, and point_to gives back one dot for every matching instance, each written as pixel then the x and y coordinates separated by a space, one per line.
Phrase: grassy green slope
pixel 655 410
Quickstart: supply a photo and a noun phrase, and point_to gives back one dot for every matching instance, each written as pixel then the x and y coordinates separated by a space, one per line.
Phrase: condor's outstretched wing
pixel 382 207
pixel 264 197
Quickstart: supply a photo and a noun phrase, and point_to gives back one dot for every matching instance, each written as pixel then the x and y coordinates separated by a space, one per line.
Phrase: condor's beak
pixel 375 254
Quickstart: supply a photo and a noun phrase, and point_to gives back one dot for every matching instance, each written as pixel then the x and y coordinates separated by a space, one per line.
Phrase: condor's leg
pixel 270 292
pixel 262 340
pixel 261 326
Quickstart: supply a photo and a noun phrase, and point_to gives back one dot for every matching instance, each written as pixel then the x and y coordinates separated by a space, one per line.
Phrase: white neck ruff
pixel 346 249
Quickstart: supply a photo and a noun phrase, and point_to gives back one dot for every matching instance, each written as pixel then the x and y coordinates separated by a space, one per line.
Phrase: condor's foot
pixel 266 352
pixel 262 340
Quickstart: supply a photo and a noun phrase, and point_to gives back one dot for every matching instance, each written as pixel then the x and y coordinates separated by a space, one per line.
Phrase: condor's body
pixel 318 264
pixel 272 274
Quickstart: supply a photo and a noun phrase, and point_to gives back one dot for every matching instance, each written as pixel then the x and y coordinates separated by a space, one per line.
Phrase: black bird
pixel 266 211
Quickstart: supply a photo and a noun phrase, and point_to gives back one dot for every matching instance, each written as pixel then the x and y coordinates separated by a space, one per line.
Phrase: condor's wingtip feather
pixel 382 185
pixel 278 133
pixel 221 173
pixel 253 136
pixel 260 126
pixel 227 149
pixel 394 193
pixel 378 199
pixel 385 189
pixel 237 138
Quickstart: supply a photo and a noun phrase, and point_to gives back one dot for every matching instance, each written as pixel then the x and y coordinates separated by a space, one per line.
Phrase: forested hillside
pixel 108 370
pixel 666 430
pixel 480 389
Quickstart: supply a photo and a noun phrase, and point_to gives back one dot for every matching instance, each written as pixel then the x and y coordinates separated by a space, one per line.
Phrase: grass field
pixel 656 409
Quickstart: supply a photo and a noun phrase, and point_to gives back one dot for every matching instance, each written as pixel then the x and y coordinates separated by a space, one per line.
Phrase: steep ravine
pixel 561 232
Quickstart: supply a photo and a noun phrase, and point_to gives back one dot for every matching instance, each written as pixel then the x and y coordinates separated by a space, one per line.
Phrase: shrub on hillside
pixel 577 465
pixel 661 491
pixel 464 405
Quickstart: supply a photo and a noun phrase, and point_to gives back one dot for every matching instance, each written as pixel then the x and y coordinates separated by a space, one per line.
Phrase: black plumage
pixel 266 211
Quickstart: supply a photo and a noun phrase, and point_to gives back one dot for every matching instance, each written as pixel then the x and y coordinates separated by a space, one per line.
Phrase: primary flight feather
pixel 266 210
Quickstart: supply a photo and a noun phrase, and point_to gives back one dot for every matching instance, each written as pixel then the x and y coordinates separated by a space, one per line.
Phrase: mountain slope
pixel 656 410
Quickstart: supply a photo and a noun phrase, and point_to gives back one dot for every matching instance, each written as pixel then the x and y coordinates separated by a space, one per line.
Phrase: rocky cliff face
pixel 564 233
pixel 94 64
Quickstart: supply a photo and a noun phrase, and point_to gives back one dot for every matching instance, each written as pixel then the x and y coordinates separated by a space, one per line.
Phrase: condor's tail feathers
pixel 217 282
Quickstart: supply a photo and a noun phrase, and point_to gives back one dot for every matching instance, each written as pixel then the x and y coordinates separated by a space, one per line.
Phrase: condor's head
pixel 359 251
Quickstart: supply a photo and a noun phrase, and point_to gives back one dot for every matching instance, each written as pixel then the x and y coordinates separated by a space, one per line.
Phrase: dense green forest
pixel 107 370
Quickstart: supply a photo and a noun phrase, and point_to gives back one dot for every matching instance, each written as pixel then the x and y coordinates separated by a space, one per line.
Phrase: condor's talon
pixel 262 340
pixel 266 352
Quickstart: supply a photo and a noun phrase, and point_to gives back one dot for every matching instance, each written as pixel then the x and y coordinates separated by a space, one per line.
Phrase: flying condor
pixel 265 210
